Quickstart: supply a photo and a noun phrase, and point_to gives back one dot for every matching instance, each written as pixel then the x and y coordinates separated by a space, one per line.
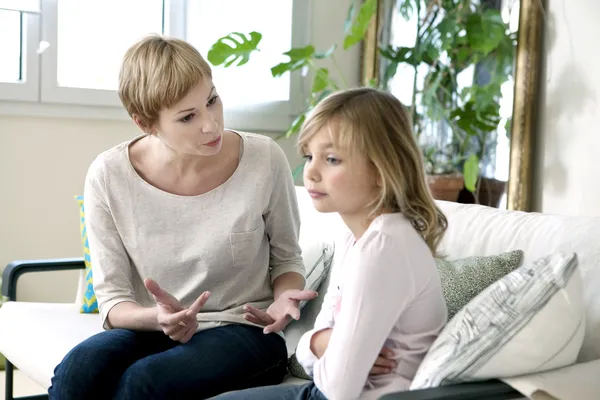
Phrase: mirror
pixel 469 72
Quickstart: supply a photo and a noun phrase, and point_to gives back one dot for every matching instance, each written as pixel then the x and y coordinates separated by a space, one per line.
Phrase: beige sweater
pixel 234 240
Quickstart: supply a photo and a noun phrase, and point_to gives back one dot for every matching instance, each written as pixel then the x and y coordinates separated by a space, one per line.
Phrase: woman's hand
pixel 278 314
pixel 176 321
pixel 384 362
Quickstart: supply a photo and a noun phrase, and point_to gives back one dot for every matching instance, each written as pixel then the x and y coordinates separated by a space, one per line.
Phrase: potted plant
pixel 453 36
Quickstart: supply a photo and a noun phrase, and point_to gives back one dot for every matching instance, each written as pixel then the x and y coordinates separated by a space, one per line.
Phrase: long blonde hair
pixel 376 124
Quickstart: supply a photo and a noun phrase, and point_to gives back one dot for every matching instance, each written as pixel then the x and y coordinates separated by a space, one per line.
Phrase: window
pixel 83 41
pixel 206 24
pixel 19 34
pixel 10 28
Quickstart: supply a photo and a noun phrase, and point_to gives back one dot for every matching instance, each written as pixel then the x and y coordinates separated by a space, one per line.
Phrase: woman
pixel 188 224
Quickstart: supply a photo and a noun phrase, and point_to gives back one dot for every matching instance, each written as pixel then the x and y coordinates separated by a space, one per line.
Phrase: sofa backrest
pixel 478 230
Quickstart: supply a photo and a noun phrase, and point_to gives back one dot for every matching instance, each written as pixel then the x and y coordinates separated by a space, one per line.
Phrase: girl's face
pixel 336 179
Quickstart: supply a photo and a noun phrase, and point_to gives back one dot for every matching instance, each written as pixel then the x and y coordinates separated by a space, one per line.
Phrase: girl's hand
pixel 176 321
pixel 384 363
pixel 278 314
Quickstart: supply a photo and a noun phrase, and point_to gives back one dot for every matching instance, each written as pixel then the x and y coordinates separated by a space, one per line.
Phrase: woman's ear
pixel 142 124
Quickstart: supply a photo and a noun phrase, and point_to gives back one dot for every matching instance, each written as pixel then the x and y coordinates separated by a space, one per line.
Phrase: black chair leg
pixel 9 381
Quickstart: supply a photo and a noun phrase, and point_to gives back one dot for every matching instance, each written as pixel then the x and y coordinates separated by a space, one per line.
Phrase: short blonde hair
pixel 376 124
pixel 156 73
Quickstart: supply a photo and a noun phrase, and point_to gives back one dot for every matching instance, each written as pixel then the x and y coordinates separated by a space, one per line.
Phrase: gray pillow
pixel 465 278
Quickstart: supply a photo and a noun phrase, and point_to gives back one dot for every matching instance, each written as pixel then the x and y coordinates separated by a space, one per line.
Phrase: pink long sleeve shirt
pixel 384 291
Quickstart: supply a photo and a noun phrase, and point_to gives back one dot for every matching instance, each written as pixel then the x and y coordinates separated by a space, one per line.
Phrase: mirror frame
pixel 528 63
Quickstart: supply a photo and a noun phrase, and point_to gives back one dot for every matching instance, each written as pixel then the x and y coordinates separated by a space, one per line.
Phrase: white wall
pixel 43 162
pixel 567 167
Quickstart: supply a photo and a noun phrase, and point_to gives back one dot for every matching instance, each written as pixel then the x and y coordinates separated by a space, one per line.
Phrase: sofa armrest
pixel 488 390
pixel 15 269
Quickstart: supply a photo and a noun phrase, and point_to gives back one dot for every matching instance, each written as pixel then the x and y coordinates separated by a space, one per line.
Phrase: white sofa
pixel 36 336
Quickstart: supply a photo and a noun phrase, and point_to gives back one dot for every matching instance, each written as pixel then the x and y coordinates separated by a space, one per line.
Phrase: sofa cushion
pixel 510 328
pixel 89 304
pixel 36 336
pixel 478 230
pixel 465 278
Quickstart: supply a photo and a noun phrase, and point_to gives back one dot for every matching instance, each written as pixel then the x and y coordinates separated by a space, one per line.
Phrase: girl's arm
pixel 379 287
pixel 324 321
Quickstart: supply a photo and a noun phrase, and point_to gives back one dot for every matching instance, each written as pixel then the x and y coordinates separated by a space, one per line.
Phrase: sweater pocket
pixel 245 246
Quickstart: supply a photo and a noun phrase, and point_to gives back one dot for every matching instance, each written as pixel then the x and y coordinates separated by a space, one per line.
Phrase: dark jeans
pixel 124 364
pixel 307 391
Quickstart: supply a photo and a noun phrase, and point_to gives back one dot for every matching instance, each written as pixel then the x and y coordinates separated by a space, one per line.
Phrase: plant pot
pixel 445 187
pixel 491 191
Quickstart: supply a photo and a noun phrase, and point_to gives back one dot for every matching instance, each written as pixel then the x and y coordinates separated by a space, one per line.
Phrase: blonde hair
pixel 377 125
pixel 156 73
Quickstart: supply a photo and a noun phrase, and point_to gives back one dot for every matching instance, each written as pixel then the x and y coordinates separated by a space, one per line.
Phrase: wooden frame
pixel 526 93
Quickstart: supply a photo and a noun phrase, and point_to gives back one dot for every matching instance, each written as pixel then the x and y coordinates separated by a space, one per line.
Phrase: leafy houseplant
pixel 453 36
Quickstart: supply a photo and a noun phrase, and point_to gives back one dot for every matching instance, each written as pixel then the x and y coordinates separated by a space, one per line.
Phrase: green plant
pixel 237 46
pixel 452 36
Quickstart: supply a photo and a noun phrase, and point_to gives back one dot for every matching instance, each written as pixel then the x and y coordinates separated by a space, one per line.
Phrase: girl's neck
pixel 358 223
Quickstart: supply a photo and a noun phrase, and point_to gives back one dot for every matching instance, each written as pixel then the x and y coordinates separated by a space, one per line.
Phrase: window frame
pixel 26 90
pixel 40 95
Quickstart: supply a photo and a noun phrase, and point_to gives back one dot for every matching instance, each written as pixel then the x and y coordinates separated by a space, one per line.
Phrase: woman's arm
pixel 287 281
pixel 111 268
pixel 282 224
pixel 129 315
pixel 376 292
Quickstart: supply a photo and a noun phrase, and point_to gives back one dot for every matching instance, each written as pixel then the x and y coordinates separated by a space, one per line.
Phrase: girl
pixel 384 306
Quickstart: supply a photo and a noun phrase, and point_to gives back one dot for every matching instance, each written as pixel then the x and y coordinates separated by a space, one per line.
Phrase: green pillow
pixel 465 278
pixel 295 369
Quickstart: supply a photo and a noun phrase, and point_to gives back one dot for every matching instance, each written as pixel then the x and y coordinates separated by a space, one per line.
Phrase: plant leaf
pixel 350 17
pixel 319 55
pixel 485 32
pixel 235 47
pixel 296 125
pixel 471 172
pixel 299 57
pixel 359 28
pixel 321 80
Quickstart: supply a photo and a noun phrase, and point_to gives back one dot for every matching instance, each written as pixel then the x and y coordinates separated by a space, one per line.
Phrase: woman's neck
pixel 180 164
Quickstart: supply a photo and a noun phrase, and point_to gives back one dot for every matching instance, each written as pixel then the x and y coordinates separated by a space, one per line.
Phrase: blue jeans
pixel 123 364
pixel 308 391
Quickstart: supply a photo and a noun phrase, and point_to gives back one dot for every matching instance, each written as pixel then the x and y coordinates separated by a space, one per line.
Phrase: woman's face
pixel 193 126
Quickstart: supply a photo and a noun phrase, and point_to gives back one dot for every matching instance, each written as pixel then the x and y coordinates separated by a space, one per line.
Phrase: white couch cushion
pixel 575 382
pixel 477 230
pixel 510 328
pixel 36 336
